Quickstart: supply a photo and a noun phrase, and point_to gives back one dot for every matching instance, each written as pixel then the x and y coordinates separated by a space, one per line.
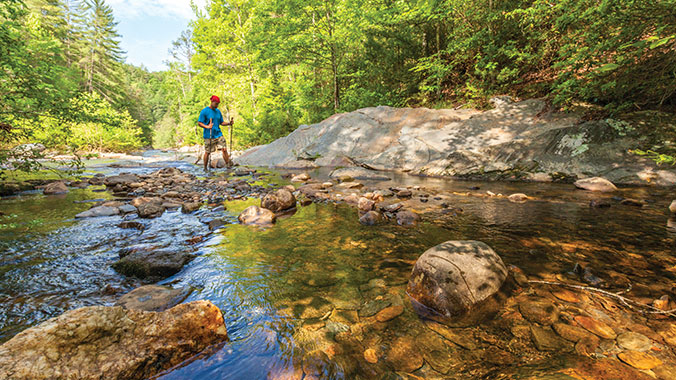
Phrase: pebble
pixel 597 327
pixel 571 333
pixel 371 356
pixel 566 295
pixel 389 313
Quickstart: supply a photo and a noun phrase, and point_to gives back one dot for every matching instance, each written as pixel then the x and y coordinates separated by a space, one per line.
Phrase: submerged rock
pixel 254 215
pixel 153 264
pixel 407 218
pixel 100 342
pixel 453 277
pixel 518 198
pixel 55 188
pixel 152 298
pixel 122 179
pixel 189 207
pixel 370 218
pixel 280 200
pixel 595 184
pixel 98 211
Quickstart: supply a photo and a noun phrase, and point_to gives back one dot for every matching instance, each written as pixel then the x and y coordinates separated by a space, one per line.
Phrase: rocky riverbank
pixel 536 319
pixel 514 141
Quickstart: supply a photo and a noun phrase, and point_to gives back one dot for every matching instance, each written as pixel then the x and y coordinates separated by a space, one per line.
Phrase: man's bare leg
pixel 206 161
pixel 226 157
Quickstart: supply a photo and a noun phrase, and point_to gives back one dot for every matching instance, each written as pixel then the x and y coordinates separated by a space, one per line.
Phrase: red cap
pixel 215 98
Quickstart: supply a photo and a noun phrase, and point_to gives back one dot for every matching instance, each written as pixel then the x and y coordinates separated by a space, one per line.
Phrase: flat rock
pixel 597 327
pixel 153 264
pixel 98 211
pixel 122 179
pixel 127 209
pixel 595 184
pixel 190 207
pixel 518 198
pixel 403 355
pixel 152 298
pixel 569 332
pixel 298 164
pixel 639 360
pixel 458 336
pixel 634 341
pixel 100 342
pixel 546 340
pixel 541 311
pixel 359 173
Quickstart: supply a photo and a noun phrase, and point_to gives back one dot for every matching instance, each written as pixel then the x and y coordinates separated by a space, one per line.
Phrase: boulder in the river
pixel 254 215
pixel 371 218
pixel 55 188
pixel 280 200
pixel 98 211
pixel 217 162
pixel 122 179
pixel 100 342
pixel 153 264
pixel 150 210
pixel 153 298
pixel 595 184
pixel 453 277
pixel 672 207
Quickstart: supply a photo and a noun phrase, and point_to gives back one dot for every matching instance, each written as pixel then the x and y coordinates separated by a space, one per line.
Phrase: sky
pixel 149 26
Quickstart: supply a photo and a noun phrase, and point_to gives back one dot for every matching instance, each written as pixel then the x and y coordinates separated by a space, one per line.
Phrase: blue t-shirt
pixel 205 116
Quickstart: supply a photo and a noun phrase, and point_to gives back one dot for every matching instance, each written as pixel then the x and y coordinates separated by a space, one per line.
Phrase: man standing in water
pixel 211 120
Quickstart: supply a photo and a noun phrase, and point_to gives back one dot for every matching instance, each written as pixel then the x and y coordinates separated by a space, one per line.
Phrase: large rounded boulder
pixel 280 200
pixel 454 277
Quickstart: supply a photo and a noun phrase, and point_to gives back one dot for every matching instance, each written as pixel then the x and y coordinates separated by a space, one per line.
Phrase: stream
pixel 290 292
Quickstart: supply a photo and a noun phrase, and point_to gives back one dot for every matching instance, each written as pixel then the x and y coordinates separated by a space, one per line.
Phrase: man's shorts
pixel 212 145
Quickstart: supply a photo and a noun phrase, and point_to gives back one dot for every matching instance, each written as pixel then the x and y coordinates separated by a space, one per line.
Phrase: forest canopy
pixel 277 64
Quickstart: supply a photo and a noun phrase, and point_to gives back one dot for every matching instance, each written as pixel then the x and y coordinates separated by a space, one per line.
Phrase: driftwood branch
pixel 647 309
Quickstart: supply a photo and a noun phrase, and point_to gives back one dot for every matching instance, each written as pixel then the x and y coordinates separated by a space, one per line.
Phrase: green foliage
pixel 659 158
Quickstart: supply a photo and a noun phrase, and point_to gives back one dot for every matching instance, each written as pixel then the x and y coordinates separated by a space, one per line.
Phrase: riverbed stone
pixel 389 313
pixel 365 205
pixel 672 207
pixel 569 332
pixel 634 341
pixel 595 326
pixel 639 360
pixel 371 218
pixel 541 311
pixel 98 211
pixel 122 179
pixel 131 224
pixel 190 207
pixel 461 337
pixel 280 200
pixel 403 355
pixel 150 210
pixel 546 340
pixel 254 215
pixel 407 218
pixel 453 277
pixel 595 184
pixel 518 198
pixel 153 298
pixel 360 173
pixel 127 209
pixel 55 188
pixel 153 264
pixel 100 342
pixel 302 177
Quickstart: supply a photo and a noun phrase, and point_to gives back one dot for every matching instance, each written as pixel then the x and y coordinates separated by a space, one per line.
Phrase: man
pixel 211 120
